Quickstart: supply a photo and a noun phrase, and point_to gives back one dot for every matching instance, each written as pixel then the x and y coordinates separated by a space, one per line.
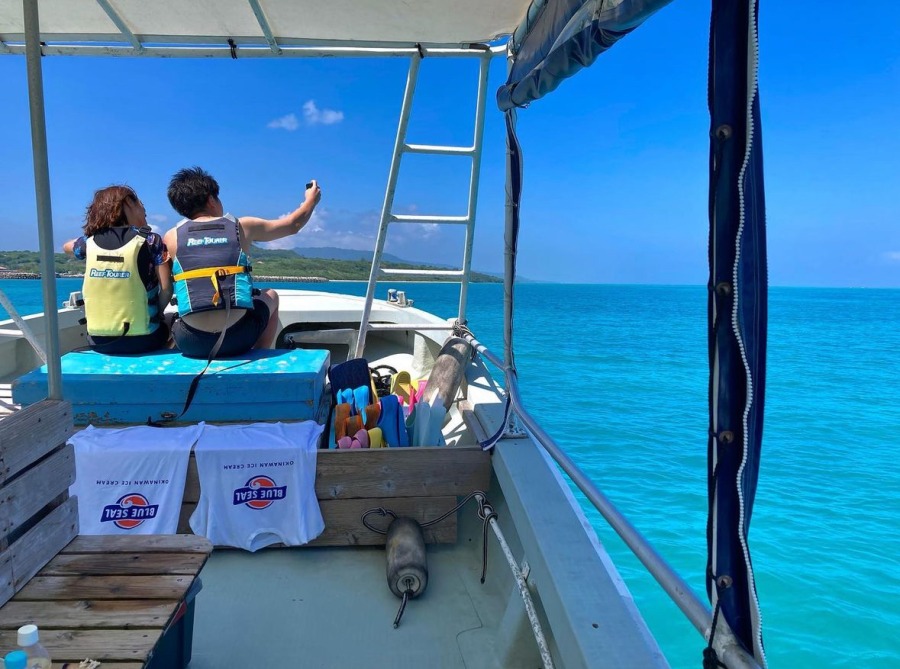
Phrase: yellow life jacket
pixel 116 301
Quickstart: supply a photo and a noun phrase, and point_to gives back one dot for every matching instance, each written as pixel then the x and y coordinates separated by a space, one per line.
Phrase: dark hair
pixel 107 209
pixel 190 190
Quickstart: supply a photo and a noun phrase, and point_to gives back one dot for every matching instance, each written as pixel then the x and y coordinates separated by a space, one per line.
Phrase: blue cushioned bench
pixel 121 389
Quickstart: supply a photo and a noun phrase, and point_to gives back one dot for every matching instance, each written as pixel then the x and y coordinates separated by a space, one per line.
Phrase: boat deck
pixel 332 608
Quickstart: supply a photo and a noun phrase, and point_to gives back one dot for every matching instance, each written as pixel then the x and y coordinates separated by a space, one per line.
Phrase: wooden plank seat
pixel 126 601
pixel 112 599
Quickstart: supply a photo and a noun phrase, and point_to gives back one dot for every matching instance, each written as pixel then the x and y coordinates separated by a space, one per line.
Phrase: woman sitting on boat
pixel 127 278
pixel 220 314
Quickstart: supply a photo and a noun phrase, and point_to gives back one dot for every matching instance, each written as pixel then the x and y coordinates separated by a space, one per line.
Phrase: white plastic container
pixel 28 639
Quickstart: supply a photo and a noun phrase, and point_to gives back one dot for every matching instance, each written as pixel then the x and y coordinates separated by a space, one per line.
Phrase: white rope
pixel 526 597
pixel 23 326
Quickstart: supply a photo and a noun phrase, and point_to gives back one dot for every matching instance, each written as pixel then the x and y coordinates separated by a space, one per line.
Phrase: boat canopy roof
pixel 393 23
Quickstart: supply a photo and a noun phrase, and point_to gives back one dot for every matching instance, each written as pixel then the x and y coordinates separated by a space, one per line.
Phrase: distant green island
pixel 280 264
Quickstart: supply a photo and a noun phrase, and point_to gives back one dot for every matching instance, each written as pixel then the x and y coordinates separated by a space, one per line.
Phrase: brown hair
pixel 107 209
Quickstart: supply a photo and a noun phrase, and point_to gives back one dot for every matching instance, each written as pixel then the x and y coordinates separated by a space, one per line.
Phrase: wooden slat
pixel 29 493
pixel 36 547
pixel 138 543
pixel 388 472
pixel 89 614
pixel 29 434
pixel 124 564
pixel 104 587
pixel 343 526
pixel 401 472
pixel 73 645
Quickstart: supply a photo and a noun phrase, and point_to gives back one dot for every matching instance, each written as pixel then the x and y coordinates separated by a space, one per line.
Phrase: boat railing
pixel 694 609
pixel 23 326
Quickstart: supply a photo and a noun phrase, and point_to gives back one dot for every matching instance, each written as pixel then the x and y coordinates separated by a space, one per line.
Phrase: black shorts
pixel 131 343
pixel 239 338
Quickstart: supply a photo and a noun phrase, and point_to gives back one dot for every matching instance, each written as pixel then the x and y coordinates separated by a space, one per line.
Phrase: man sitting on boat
pixel 127 278
pixel 220 314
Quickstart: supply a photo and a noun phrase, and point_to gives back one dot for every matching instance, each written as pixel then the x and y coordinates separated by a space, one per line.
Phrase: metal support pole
pixel 399 142
pixel 42 194
pixel 483 69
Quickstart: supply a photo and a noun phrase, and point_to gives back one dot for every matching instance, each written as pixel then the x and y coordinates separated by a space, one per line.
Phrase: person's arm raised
pixel 263 230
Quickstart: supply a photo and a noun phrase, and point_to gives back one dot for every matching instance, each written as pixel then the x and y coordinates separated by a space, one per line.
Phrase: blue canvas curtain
pixel 738 314
pixel 558 38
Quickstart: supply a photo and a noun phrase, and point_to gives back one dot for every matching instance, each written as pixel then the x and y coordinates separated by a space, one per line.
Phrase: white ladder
pixel 388 217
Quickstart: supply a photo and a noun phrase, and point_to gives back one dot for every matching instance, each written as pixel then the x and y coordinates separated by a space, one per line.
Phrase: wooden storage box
pixel 422 483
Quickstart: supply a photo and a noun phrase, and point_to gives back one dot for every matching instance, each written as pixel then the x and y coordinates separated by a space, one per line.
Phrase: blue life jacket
pixel 210 266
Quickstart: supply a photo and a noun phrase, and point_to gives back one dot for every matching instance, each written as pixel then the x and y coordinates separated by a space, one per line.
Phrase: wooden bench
pixel 117 599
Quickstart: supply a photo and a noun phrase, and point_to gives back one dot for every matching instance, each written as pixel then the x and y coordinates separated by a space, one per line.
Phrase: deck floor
pixel 331 607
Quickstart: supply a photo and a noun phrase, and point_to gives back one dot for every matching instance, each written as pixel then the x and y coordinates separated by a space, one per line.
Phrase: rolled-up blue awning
pixel 560 37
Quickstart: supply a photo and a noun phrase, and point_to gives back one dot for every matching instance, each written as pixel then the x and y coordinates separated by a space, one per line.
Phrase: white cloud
pixel 315 116
pixel 893 256
pixel 289 123
pixel 429 229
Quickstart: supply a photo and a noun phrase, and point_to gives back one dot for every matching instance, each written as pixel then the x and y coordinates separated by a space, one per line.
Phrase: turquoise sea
pixel 618 376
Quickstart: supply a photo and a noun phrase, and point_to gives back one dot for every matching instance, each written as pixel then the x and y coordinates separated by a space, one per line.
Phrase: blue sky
pixel 615 159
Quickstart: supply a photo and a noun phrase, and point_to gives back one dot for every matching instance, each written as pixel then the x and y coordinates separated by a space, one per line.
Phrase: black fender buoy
pixel 407 569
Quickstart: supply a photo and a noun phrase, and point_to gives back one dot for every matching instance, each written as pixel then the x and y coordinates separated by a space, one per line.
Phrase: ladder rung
pixel 440 150
pixel 424 272
pixel 416 218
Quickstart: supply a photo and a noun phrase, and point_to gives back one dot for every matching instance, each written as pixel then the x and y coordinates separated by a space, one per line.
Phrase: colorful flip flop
pixel 420 389
pixel 341 414
pixel 361 399
pixel 360 440
pixel 372 414
pixel 392 423
pixel 376 438
pixel 401 386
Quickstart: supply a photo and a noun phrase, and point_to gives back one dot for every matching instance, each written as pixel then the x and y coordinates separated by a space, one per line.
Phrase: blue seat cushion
pixel 121 389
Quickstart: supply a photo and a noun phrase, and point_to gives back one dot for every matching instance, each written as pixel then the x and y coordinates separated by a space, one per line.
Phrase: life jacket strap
pixel 214 274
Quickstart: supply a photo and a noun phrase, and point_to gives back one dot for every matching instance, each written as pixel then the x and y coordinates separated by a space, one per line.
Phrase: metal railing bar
pixel 440 150
pixel 694 609
pixel 121 25
pixel 417 218
pixel 23 326
pixel 42 195
pixel 477 142
pixel 245 51
pixel 265 27
pixel 408 326
pixel 424 272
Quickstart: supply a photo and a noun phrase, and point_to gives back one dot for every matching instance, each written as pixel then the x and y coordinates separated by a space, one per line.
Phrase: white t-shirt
pixel 131 480
pixel 257 485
